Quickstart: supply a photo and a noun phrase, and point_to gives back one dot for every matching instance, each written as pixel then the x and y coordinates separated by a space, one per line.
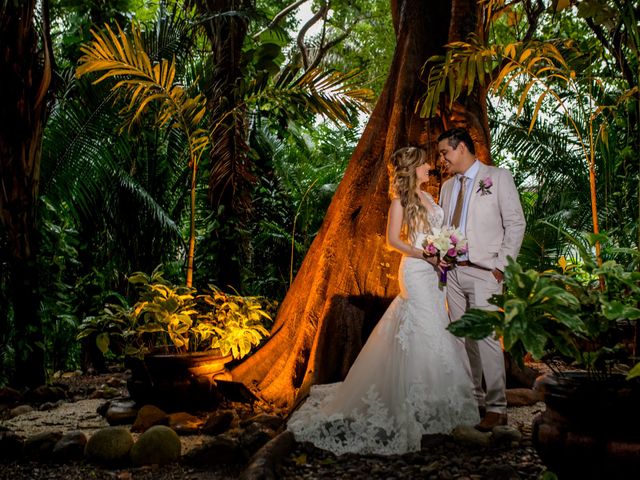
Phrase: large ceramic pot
pixel 177 380
pixel 591 427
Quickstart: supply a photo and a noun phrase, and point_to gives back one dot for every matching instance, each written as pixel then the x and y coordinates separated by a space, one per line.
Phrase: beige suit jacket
pixel 495 222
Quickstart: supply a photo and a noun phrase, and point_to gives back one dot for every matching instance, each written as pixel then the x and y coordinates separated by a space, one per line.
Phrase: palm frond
pixel 143 82
pixel 324 92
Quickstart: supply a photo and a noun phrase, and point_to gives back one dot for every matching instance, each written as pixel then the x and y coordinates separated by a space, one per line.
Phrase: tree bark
pixel 25 75
pixel 349 276
pixel 229 176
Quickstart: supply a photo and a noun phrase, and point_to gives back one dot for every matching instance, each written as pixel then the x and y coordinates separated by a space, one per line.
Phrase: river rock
pixel 471 436
pixel 70 447
pixel 272 421
pixel 105 391
pixel 9 396
pixel 11 445
pixel 109 446
pixel 219 422
pixel 115 382
pixel 40 447
pixel 255 436
pixel 222 449
pixel 185 423
pixel 45 393
pixel 20 410
pixel 158 445
pixel 522 397
pixel 506 435
pixel 148 416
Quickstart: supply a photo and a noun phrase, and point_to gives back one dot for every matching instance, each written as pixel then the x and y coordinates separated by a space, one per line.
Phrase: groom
pixel 483 203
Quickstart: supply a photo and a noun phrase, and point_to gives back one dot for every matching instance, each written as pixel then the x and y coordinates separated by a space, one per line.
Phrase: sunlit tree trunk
pixel 25 74
pixel 349 276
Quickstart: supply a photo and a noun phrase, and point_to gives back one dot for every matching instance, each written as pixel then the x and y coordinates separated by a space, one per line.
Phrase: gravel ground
pixel 85 471
pixel 440 458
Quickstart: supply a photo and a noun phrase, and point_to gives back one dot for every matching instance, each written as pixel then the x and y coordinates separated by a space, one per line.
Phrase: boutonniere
pixel 484 186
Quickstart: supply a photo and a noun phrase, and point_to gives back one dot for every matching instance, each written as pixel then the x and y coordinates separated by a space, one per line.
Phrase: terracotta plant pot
pixel 591 427
pixel 177 380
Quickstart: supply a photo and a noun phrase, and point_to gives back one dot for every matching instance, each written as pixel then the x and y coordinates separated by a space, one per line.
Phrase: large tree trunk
pixel 349 276
pixel 25 74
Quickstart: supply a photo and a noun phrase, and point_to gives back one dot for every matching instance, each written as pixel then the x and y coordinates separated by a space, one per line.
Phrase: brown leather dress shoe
pixel 490 420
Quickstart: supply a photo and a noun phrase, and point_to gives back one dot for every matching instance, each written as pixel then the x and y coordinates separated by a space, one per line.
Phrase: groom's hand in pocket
pixel 499 276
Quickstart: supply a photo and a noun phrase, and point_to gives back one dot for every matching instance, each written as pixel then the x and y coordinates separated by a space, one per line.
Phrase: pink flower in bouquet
pixel 447 243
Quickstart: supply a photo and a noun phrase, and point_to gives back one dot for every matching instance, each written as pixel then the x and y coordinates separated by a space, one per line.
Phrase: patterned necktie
pixel 457 211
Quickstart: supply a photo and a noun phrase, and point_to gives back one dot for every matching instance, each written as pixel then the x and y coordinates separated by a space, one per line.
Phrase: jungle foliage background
pixel 113 196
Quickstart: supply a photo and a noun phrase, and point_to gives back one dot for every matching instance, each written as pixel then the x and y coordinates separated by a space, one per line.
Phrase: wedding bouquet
pixel 448 240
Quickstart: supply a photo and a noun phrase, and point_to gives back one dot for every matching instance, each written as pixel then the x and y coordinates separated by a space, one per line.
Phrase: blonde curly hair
pixel 403 184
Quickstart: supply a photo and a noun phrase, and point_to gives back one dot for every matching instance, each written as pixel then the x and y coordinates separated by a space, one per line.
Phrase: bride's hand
pixel 443 265
pixel 432 259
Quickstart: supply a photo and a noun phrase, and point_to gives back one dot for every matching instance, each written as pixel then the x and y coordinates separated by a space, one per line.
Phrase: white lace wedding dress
pixel 410 379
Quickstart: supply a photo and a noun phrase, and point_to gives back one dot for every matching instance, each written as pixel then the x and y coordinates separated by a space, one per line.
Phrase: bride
pixel 411 377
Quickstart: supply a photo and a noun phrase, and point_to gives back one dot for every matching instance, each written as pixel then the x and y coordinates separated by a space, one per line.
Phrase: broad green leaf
pixel 102 342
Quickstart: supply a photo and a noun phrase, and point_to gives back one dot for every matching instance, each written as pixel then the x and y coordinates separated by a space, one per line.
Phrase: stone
pixel 218 422
pixel 471 436
pixel 522 397
pixel 255 436
pixel 70 447
pixel 121 412
pixel 40 447
pixel 185 423
pixel 20 410
pixel 506 435
pixel 109 446
pixel 11 445
pixel 45 393
pixel 105 391
pixel 9 396
pixel 272 421
pixel 148 416
pixel 48 406
pixel 222 449
pixel 158 445
pixel 115 382
pixel 502 472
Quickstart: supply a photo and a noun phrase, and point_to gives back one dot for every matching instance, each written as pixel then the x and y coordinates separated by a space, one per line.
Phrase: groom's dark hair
pixel 457 135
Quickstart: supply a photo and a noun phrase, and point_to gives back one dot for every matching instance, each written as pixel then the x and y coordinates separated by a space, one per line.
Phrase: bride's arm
pixel 394 227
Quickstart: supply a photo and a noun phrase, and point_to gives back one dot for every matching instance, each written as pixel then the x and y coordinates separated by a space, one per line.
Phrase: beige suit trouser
pixel 471 287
